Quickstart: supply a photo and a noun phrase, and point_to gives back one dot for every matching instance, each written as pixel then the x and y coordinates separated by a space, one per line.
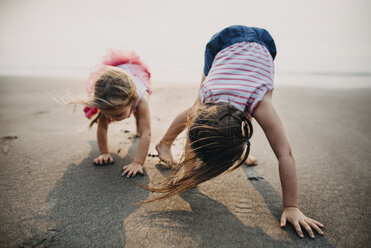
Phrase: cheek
pixel 124 116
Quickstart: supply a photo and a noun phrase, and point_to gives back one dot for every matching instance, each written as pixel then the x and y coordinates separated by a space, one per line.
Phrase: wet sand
pixel 52 194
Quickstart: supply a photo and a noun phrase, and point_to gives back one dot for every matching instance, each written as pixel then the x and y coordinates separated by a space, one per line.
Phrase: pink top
pixel 241 74
pixel 131 64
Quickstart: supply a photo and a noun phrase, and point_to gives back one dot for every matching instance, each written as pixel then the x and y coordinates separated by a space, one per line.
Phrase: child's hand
pixel 298 219
pixel 132 169
pixel 104 158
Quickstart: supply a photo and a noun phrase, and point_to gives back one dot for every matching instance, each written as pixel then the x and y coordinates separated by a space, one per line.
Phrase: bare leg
pixel 164 146
pixel 251 160
pixel 177 126
pixel 137 124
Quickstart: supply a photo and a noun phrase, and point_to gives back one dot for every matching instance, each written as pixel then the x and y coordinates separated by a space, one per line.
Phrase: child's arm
pixel 144 122
pixel 271 124
pixel 102 129
pixel 176 127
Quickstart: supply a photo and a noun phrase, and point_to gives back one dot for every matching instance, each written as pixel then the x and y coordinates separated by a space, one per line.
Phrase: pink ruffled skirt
pixel 115 58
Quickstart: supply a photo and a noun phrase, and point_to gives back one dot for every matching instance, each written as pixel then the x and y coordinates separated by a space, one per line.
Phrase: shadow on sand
pixel 212 224
pixel 273 201
pixel 89 204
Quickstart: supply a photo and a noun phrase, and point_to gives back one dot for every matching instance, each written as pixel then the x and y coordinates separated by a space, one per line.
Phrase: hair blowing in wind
pixel 217 140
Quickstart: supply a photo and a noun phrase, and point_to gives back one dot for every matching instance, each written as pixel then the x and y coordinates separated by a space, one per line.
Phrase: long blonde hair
pixel 112 89
pixel 218 140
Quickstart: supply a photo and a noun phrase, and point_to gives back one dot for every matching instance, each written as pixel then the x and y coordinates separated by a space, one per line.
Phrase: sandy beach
pixel 51 194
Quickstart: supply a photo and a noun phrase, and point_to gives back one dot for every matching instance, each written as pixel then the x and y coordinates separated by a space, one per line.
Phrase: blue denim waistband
pixel 236 34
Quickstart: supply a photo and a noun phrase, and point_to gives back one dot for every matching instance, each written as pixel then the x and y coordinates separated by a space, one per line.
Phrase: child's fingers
pixel 316 222
pixel 139 172
pixel 298 229
pixel 307 228
pixel 130 173
pixel 125 170
pixel 107 160
pixel 111 160
pixel 283 220
pixel 314 226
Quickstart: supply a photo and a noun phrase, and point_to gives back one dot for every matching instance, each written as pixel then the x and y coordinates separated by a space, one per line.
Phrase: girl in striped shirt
pixel 237 84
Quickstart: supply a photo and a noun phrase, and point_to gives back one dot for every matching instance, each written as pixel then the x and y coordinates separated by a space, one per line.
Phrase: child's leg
pixel 137 124
pixel 176 127
pixel 164 146
pixel 251 160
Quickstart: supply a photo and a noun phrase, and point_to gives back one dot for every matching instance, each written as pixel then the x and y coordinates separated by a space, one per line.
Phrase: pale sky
pixel 69 37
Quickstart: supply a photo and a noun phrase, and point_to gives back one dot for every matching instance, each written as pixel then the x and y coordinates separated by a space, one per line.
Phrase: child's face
pixel 118 114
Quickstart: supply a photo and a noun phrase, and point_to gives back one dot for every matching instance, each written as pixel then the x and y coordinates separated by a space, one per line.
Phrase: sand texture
pixel 53 196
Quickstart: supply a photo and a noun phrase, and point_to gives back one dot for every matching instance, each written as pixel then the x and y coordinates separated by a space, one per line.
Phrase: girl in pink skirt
pixel 117 88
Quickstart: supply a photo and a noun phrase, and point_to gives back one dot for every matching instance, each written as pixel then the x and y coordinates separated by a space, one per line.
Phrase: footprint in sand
pixel 255 178
pixel 152 155
pixel 41 112
pixel 5 143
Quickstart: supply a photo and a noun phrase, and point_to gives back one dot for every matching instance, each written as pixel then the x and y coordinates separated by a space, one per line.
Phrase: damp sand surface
pixel 53 195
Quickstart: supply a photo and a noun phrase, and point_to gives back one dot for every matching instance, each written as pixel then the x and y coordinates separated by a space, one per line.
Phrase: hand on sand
pixel 104 158
pixel 132 169
pixel 164 154
pixel 298 219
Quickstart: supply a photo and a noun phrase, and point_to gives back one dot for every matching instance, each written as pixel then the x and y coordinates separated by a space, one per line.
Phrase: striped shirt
pixel 241 74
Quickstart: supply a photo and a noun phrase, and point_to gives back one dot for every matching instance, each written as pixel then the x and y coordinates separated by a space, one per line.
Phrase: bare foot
pixel 164 154
pixel 251 160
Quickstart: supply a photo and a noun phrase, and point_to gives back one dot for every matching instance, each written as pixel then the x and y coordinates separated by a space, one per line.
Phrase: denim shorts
pixel 236 34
